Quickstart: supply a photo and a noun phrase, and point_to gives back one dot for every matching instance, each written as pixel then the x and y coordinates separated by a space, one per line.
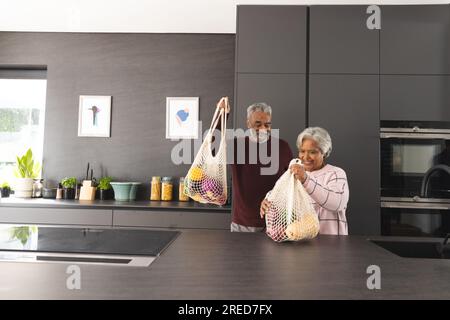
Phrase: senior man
pixel 253 171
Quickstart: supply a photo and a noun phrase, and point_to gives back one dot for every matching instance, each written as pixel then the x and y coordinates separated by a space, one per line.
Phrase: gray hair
pixel 319 135
pixel 259 106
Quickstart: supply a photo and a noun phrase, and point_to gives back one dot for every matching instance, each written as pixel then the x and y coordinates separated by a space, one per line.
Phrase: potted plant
pixel 5 190
pixel 105 189
pixel 26 170
pixel 69 185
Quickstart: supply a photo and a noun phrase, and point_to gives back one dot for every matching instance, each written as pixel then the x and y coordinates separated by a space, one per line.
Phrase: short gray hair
pixel 319 135
pixel 259 106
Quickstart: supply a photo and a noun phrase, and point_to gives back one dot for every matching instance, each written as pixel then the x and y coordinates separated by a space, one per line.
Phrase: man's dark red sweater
pixel 249 186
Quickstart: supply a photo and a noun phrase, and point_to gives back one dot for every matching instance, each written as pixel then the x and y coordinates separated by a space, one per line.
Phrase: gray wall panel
pixel 415 39
pixel 340 41
pixel 139 71
pixel 419 98
pixel 347 106
pixel 284 92
pixel 271 39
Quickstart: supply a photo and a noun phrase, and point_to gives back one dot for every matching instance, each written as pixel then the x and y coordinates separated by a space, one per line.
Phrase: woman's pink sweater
pixel 328 188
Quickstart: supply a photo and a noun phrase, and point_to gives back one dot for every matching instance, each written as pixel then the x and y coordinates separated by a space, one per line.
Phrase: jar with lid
pixel 155 193
pixel 181 195
pixel 37 188
pixel 59 192
pixel 167 189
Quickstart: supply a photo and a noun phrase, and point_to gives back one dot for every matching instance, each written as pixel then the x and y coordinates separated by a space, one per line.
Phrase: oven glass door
pixel 404 162
pixel 415 222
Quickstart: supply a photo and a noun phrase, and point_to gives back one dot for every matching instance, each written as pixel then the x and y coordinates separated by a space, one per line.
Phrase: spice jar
pixel 155 193
pixel 59 192
pixel 181 195
pixel 167 189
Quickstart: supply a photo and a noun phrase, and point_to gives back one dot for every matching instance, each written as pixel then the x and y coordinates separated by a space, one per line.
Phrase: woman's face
pixel 311 155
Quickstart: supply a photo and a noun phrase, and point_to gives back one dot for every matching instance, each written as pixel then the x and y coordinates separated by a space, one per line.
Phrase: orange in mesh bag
pixel 206 180
pixel 291 216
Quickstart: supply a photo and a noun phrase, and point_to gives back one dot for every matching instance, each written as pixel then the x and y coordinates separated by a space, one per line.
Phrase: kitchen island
pixel 214 264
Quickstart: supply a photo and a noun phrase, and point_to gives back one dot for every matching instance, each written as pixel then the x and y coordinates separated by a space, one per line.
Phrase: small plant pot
pixel 23 188
pixel 69 193
pixel 5 192
pixel 105 194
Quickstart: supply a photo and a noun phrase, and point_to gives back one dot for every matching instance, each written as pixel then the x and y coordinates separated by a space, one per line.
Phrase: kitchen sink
pixel 413 249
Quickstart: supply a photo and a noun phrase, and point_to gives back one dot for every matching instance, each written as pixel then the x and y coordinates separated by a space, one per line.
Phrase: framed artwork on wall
pixel 94 117
pixel 182 117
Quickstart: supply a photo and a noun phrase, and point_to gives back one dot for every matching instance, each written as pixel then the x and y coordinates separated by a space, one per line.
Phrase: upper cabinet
pixel 271 39
pixel 340 41
pixel 415 98
pixel 286 93
pixel 415 39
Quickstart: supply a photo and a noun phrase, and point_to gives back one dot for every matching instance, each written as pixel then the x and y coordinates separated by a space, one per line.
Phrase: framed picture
pixel 94 118
pixel 182 117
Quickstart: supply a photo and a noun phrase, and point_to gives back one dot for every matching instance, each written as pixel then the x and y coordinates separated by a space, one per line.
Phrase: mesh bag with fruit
pixel 206 180
pixel 291 216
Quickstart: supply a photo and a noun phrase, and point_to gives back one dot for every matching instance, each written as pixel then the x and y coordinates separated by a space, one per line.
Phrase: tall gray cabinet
pixel 415 63
pixel 271 66
pixel 344 99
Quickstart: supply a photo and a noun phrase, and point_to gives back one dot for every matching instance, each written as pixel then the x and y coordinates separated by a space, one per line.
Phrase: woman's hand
pixel 265 204
pixel 299 172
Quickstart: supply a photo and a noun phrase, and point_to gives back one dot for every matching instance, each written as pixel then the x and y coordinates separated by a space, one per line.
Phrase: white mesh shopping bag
pixel 291 216
pixel 206 180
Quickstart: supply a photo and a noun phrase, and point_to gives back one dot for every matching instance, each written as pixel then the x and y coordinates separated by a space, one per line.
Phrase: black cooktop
pixel 85 240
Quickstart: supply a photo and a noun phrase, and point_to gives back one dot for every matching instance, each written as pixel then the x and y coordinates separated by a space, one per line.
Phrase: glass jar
pixel 155 193
pixel 59 192
pixel 167 189
pixel 37 188
pixel 181 195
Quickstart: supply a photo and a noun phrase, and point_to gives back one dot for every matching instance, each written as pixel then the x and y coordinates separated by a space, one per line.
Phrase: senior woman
pixel 326 184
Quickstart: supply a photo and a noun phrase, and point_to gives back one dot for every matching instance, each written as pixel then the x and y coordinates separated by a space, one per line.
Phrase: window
pixel 22 110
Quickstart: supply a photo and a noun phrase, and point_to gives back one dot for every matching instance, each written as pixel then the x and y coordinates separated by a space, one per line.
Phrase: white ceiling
pixel 164 16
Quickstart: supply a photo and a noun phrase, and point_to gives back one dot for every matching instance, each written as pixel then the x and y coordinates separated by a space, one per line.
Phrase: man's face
pixel 259 120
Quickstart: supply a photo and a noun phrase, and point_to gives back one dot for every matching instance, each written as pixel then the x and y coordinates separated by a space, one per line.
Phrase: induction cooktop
pixel 83 245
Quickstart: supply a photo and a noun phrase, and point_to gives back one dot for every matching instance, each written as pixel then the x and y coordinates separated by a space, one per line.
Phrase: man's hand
pixel 224 104
pixel 299 172
pixel 265 204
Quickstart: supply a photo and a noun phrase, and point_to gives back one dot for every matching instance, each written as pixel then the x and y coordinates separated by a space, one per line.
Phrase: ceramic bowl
pixel 133 190
pixel 121 190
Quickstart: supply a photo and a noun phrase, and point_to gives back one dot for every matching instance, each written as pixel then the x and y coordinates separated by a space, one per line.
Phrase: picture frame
pixel 182 117
pixel 94 116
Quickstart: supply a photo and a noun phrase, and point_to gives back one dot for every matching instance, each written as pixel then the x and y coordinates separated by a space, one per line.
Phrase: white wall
pixel 166 16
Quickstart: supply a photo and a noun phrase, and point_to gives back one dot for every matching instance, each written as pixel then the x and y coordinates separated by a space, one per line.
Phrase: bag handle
pixel 219 114
pixel 290 196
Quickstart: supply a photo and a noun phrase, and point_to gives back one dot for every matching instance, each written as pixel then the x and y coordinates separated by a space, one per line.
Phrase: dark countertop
pixel 111 204
pixel 224 265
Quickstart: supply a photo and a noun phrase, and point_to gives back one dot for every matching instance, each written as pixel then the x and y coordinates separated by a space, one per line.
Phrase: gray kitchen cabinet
pixel 57 216
pixel 348 107
pixel 171 219
pixel 415 98
pixel 271 39
pixel 284 92
pixel 415 39
pixel 340 41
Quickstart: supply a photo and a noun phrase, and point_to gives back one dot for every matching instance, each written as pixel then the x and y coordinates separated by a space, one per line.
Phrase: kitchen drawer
pixel 171 219
pixel 94 217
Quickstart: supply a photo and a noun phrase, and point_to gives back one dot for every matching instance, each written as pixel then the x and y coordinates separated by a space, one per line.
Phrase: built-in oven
pixel 415 178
